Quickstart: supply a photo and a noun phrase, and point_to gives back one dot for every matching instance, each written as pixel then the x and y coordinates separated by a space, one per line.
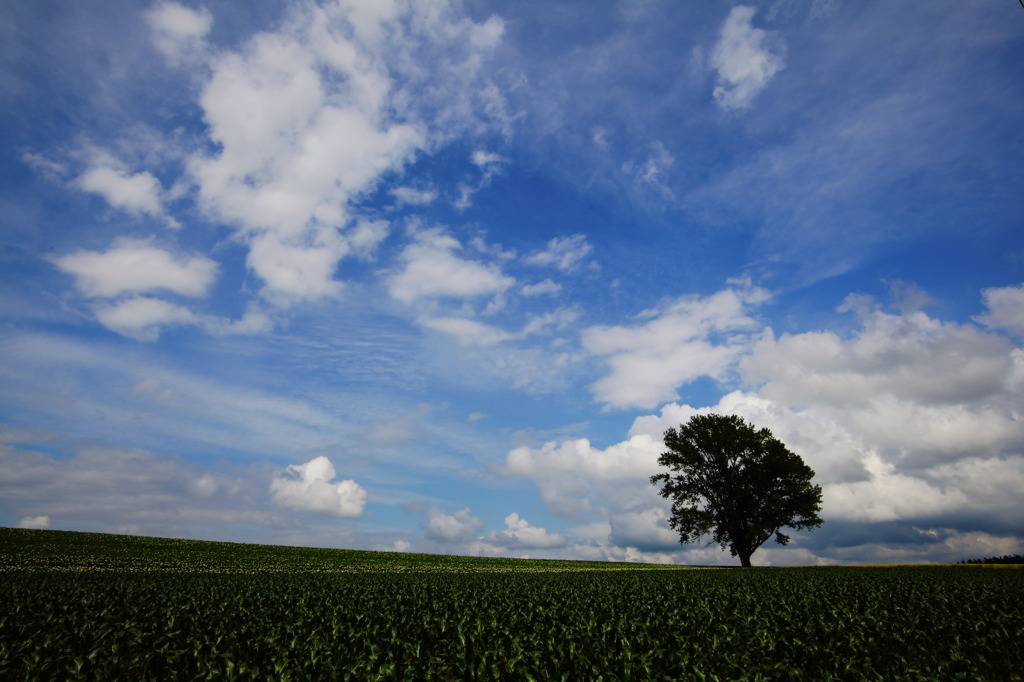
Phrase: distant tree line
pixel 1007 559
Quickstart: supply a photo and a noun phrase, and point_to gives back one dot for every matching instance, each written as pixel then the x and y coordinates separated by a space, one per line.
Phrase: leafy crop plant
pixel 96 607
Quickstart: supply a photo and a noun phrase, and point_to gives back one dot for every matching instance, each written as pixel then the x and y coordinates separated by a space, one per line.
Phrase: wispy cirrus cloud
pixel 564 253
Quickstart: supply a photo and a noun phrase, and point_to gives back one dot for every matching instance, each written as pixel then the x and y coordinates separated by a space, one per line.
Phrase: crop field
pixel 81 606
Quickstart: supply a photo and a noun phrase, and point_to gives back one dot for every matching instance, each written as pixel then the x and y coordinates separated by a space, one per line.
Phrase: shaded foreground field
pixel 80 606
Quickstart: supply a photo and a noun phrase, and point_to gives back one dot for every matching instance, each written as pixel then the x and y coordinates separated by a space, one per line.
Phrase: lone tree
pixel 738 484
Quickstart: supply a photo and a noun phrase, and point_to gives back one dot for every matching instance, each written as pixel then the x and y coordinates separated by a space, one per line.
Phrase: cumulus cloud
pixel 178 30
pixel 910 357
pixel 36 522
pixel 433 268
pixel 633 458
pixel 577 480
pixel 519 534
pixel 926 391
pixel 296 271
pixel 745 59
pixel 912 424
pixel 646 529
pixel 142 318
pixel 1005 309
pixel 137 193
pixel 133 266
pixel 308 487
pixel 686 339
pixel 308 118
pixel 457 527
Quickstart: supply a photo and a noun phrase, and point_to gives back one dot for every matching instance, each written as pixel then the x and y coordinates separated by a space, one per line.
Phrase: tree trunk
pixel 745 559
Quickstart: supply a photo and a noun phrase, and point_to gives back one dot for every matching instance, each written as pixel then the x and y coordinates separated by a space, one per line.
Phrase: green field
pixel 82 606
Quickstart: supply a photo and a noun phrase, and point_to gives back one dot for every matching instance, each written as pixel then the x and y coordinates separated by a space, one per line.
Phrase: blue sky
pixel 436 276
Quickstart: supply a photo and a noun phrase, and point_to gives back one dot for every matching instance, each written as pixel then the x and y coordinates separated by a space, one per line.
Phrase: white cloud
pixel 469 332
pixel 519 534
pixel 634 458
pixel 745 58
pixel 473 333
pixel 254 321
pixel 178 30
pixel 645 529
pixel 106 488
pixel 540 288
pixel 432 268
pixel 831 450
pixel 490 165
pixel 911 357
pixel 308 118
pixel 564 253
pixel 138 193
pixel 689 338
pixel 48 168
pixel 308 487
pixel 889 496
pixel 205 486
pixel 457 527
pixel 561 318
pixel 1005 309
pixel 651 171
pixel 909 421
pixel 577 480
pixel 132 267
pixel 485 159
pixel 293 271
pixel 142 318
pixel 414 197
pixel 37 522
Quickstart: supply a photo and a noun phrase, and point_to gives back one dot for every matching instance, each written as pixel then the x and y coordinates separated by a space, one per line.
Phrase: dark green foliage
pixel 1005 559
pixel 449 621
pixel 738 485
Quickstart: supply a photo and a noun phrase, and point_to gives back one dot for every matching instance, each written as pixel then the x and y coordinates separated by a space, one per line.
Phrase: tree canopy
pixel 735 483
